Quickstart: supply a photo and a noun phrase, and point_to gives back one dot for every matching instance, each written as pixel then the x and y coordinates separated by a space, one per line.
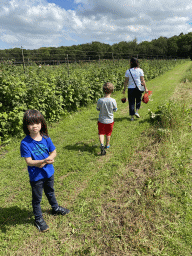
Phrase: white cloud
pixel 36 23
pixel 9 39
pixel 32 25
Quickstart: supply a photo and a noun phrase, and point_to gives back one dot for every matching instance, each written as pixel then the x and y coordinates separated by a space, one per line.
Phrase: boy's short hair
pixel 108 88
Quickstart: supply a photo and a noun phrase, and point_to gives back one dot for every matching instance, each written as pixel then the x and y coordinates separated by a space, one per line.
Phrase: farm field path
pixel 84 180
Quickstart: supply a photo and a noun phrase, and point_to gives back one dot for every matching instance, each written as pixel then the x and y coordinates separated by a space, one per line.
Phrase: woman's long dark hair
pixel 33 116
pixel 134 63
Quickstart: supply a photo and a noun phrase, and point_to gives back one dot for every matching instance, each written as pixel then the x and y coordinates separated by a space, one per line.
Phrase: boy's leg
pixel 101 138
pixel 101 132
pixel 37 190
pixel 108 140
pixel 108 134
pixel 50 193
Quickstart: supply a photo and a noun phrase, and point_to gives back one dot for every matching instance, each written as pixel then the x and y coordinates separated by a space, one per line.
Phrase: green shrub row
pixel 56 90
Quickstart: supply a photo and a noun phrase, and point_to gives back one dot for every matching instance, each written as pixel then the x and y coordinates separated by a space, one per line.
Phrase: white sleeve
pixel 127 73
pixel 141 72
pixel 98 105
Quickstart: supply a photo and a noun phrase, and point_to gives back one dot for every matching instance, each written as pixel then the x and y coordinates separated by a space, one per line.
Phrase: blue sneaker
pixel 107 146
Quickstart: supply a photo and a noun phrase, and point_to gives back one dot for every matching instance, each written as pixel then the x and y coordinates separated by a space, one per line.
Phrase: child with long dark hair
pixel 39 152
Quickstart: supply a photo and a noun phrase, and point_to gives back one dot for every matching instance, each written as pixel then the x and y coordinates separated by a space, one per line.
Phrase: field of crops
pixel 57 90
pixel 135 200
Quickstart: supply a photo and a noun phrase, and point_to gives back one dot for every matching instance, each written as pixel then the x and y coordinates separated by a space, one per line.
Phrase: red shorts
pixel 105 128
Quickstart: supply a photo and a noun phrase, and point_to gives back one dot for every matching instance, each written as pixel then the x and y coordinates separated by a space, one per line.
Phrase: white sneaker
pixel 137 114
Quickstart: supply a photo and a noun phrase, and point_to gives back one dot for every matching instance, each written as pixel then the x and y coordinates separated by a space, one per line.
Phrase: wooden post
pixel 68 64
pixel 112 57
pixel 23 59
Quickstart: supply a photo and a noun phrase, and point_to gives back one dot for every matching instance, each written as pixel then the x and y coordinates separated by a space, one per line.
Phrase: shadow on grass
pixel 146 120
pixel 128 118
pixel 82 147
pixel 117 119
pixel 13 216
pixel 120 119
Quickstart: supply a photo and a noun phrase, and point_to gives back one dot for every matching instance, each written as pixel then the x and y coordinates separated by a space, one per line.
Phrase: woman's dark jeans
pixel 37 191
pixel 134 95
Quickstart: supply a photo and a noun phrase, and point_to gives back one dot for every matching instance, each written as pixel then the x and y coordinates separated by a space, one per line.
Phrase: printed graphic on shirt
pixel 39 149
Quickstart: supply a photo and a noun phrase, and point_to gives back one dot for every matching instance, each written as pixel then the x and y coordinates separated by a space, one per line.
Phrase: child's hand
pixel 41 166
pixel 49 161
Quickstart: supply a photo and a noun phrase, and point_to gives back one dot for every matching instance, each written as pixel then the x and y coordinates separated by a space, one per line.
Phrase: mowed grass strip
pixel 115 200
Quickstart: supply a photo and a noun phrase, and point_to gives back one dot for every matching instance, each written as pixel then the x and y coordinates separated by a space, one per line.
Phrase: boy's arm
pixel 114 106
pixel 98 106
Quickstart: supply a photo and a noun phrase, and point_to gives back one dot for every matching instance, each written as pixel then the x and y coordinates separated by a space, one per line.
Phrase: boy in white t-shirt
pixel 106 106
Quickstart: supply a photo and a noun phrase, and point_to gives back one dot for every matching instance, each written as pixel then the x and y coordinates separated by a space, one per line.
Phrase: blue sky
pixel 42 23
pixel 66 4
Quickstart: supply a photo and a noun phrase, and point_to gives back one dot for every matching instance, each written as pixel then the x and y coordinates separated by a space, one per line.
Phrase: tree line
pixel 163 47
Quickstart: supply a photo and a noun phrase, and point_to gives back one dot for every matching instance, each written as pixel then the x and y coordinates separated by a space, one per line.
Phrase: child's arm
pixel 37 163
pixel 98 105
pixel 43 162
pixel 114 106
pixel 51 156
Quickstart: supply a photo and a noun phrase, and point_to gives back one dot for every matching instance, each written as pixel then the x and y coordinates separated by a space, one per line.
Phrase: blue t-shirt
pixel 38 150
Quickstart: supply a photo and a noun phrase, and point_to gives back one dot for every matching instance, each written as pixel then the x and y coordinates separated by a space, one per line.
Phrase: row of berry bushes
pixel 56 90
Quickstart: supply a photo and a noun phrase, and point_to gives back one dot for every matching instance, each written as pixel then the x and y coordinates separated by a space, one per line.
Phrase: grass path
pixel 86 183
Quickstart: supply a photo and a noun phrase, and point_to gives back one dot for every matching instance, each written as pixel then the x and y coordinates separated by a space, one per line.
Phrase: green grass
pixel 136 200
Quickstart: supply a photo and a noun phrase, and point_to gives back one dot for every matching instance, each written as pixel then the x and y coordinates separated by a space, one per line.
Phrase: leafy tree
pixel 184 45
pixel 172 47
pixel 125 49
pixel 160 46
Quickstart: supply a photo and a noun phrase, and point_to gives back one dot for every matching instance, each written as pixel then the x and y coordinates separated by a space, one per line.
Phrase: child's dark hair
pixel 134 63
pixel 33 116
pixel 108 88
